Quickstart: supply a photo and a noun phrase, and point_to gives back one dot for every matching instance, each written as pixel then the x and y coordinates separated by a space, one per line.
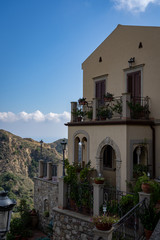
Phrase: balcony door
pixel 100 88
pixel 134 84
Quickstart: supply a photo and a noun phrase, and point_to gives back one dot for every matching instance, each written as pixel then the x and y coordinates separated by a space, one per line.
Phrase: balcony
pixel 111 109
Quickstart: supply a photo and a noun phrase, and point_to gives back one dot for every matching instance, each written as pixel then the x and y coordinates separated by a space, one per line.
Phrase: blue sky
pixel 42 46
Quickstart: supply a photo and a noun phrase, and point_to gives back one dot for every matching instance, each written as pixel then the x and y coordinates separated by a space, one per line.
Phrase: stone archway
pixel 109 141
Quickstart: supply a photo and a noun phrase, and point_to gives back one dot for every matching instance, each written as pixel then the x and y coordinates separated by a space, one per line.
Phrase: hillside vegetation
pixel 19 163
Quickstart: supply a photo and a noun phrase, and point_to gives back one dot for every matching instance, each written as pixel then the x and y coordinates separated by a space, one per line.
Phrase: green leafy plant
pixel 104 113
pixel 99 178
pixel 137 187
pixel 139 169
pixel 137 110
pixel 46 214
pixel 113 207
pixel 108 96
pixel 149 217
pixel 20 226
pixel 126 203
pixel 71 179
pixel 117 107
pixel 90 114
pixel 79 113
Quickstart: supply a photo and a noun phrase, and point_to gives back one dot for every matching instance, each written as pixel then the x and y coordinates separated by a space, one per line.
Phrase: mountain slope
pixel 19 162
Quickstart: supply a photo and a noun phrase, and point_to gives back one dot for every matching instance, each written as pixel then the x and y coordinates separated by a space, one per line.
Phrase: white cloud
pixel 36 116
pixel 134 5
pixel 8 117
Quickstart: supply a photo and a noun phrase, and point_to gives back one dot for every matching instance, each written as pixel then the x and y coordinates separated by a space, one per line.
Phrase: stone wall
pixel 71 225
pixel 45 199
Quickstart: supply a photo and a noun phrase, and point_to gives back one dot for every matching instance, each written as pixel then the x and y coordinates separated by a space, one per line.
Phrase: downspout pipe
pixel 153 148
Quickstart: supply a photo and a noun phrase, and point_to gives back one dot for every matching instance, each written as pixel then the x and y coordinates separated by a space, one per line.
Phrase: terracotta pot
pixel 103 226
pixel 148 233
pixel 98 181
pixel 108 99
pixel 146 188
pixel 82 103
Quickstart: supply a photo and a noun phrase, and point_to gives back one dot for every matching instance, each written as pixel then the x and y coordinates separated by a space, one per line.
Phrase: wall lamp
pixel 131 60
pixel 63 144
pixel 6 206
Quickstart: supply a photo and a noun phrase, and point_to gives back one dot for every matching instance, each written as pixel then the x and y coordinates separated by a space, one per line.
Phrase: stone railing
pixel 47 170
pixel 90 232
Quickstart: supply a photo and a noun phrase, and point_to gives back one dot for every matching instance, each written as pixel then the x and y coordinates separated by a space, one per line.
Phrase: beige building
pixel 122 131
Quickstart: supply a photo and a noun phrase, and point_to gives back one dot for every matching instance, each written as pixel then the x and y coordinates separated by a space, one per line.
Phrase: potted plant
pixel 79 114
pixel 104 222
pixel 82 101
pixel 99 180
pixel 145 183
pixel 108 97
pixel 149 219
pixel 104 113
pixel 138 110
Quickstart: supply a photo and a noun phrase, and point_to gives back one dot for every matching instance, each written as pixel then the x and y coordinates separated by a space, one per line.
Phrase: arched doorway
pixel 108 162
pixel 109 165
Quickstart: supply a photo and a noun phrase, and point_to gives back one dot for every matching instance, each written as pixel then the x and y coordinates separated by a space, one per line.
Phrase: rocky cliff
pixel 19 162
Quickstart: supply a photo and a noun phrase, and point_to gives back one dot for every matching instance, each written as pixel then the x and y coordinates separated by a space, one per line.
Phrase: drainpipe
pixel 153 148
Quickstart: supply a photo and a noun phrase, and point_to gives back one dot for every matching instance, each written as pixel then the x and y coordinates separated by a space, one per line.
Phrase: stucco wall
pixel 157 137
pixel 96 134
pixel 115 51
pixel 43 190
pixel 125 137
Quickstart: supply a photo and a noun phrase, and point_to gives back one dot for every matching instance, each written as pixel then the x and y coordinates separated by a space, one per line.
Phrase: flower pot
pixel 148 233
pixel 146 188
pixel 98 181
pixel 82 103
pixel 103 226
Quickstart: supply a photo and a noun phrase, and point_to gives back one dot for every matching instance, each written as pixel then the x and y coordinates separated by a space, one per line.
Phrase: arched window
pixel 108 156
pixel 76 150
pixel 79 152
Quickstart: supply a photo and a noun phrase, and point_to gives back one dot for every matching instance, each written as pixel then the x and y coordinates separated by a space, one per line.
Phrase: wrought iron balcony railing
pixel 122 107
